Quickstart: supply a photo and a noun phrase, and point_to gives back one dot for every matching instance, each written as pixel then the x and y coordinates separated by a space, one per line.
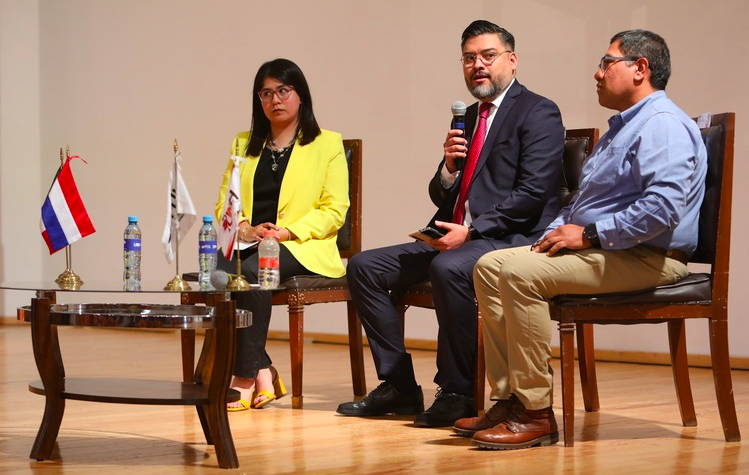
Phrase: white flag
pixel 180 212
pixel 227 229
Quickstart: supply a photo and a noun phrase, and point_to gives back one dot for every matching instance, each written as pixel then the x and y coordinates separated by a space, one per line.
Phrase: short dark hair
pixel 286 72
pixel 648 45
pixel 482 27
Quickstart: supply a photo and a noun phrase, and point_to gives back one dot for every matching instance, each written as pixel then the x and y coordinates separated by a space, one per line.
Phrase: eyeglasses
pixel 487 57
pixel 283 93
pixel 607 61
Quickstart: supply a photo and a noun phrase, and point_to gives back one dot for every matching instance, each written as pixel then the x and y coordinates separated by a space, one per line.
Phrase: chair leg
pixel 677 342
pixel 356 352
pixel 587 362
pixel 479 377
pixel 296 346
pixel 722 378
pixel 567 349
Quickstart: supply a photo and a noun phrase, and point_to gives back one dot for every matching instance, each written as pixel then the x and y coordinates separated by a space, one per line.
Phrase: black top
pixel 267 187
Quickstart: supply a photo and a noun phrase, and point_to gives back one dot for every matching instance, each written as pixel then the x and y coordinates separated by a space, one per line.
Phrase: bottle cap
pixel 207 219
pixel 132 219
pixel 268 233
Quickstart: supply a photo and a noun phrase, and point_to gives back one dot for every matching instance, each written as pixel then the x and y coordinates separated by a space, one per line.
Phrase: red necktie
pixel 473 158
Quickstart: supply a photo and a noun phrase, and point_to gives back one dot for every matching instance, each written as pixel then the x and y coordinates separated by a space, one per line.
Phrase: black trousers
pixel 251 356
pixel 373 274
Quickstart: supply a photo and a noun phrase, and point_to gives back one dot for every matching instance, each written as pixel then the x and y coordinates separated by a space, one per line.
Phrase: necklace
pixel 277 154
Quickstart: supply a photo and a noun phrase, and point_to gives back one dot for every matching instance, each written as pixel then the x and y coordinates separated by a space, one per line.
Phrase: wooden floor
pixel 638 430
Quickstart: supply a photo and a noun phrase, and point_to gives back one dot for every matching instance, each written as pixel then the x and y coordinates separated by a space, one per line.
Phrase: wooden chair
pixel 300 291
pixel 697 296
pixel 578 145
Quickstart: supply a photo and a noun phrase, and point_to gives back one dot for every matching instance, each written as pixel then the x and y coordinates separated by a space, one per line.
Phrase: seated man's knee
pixel 492 266
pixel 358 265
pixel 447 268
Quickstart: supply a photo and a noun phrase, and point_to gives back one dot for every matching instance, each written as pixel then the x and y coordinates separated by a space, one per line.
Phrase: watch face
pixel 590 233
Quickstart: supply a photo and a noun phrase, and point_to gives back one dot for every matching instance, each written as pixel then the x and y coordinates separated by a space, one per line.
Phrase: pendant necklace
pixel 276 155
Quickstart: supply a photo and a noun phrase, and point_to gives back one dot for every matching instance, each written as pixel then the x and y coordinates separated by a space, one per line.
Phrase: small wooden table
pixel 208 391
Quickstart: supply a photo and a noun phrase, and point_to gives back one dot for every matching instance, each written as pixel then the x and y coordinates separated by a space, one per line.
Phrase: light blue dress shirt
pixel 644 181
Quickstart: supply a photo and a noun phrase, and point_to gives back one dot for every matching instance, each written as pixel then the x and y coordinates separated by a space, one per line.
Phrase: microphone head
pixel 458 108
pixel 219 279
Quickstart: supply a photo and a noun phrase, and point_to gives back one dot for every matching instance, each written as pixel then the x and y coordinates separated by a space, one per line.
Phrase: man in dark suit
pixel 500 192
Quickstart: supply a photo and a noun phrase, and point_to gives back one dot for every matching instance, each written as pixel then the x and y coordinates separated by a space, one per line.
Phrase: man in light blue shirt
pixel 632 226
pixel 644 182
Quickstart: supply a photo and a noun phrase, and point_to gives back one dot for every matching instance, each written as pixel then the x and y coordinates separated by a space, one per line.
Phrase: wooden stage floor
pixel 638 430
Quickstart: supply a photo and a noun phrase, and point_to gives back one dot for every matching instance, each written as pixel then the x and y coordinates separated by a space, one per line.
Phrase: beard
pixel 487 91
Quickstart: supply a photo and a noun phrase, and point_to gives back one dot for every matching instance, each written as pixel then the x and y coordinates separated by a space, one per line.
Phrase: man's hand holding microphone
pixel 456 144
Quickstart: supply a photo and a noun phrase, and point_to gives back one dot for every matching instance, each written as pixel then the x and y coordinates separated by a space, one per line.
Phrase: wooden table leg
pixel 49 363
pixel 188 355
pixel 202 375
pixel 217 372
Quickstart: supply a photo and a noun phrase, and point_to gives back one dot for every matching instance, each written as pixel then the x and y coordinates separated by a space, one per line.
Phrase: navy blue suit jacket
pixel 514 192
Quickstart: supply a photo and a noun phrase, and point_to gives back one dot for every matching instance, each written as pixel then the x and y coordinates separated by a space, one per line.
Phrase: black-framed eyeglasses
pixel 283 93
pixel 487 57
pixel 607 61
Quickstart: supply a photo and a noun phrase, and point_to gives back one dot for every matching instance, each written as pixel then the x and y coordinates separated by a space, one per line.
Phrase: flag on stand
pixel 180 212
pixel 64 218
pixel 227 229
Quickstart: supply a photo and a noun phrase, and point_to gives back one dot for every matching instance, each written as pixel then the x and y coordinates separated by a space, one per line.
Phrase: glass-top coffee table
pixel 207 388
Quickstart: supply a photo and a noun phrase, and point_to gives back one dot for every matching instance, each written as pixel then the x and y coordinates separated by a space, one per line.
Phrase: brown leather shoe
pixel 525 429
pixel 499 412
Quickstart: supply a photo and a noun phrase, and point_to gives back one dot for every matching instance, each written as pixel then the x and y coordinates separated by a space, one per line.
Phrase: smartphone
pixel 427 234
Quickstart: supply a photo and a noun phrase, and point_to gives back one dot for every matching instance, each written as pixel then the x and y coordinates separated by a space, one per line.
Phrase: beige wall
pixel 118 80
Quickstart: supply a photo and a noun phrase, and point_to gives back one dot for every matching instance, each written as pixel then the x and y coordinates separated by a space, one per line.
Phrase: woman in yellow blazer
pixel 294 183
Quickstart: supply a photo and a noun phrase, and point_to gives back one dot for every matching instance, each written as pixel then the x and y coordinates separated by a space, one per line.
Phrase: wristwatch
pixel 473 234
pixel 591 234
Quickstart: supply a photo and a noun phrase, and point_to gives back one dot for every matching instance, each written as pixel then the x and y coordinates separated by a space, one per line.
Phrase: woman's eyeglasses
pixel 283 93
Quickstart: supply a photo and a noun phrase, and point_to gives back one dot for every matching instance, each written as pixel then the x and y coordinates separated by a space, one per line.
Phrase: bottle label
pixel 132 244
pixel 268 263
pixel 207 247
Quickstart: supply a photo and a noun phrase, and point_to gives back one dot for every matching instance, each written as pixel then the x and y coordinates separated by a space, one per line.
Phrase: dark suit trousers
pixel 373 274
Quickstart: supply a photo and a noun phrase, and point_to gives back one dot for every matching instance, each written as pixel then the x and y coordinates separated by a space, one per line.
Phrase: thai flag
pixel 64 218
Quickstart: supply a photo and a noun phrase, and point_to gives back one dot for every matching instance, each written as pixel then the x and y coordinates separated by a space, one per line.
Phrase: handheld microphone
pixel 219 279
pixel 459 122
pixel 459 116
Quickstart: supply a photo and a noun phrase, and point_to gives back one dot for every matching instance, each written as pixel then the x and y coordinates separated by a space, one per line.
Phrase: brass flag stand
pixel 68 279
pixel 177 284
pixel 238 282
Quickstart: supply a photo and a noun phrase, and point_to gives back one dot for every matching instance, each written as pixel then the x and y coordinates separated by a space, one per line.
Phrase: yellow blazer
pixel 312 203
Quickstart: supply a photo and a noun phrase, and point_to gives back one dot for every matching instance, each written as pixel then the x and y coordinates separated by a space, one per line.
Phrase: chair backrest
pixel 714 242
pixel 578 145
pixel 349 236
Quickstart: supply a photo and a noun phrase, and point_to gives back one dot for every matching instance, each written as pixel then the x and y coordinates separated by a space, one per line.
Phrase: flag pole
pixel 68 280
pixel 177 283
pixel 239 282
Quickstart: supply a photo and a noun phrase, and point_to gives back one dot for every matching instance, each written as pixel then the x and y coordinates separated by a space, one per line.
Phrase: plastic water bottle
pixel 207 249
pixel 268 273
pixel 131 255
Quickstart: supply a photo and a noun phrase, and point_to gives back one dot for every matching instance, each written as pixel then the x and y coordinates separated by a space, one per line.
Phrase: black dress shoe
pixel 385 399
pixel 446 409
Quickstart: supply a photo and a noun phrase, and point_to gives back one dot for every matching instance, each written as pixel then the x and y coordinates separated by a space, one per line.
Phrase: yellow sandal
pixel 245 404
pixel 279 391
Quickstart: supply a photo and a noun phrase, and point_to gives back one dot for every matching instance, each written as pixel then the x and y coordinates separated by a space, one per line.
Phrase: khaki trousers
pixel 513 287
